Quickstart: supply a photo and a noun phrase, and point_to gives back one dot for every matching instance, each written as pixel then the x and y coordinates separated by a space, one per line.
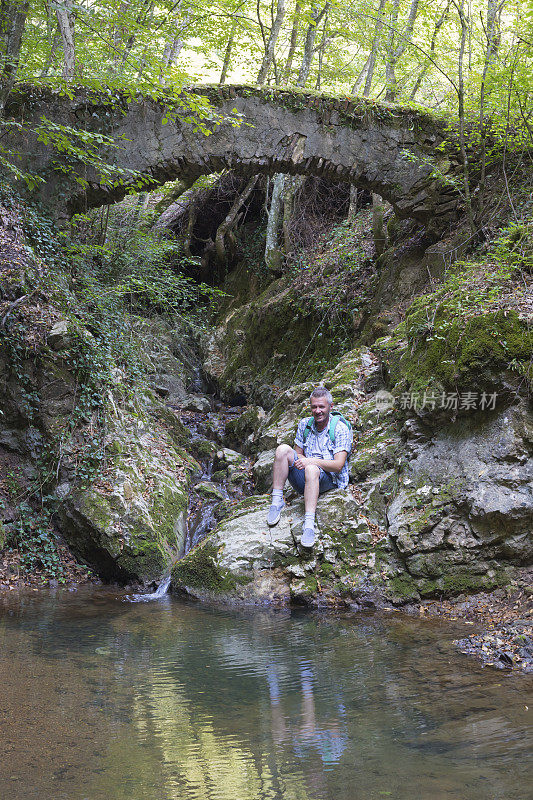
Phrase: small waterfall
pixel 160 592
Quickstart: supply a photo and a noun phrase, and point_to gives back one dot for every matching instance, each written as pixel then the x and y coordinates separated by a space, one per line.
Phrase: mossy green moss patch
pixel 199 569
pixel 462 581
pixel 451 350
pixel 148 560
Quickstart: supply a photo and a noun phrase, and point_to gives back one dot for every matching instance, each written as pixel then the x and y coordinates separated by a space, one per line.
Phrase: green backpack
pixel 334 417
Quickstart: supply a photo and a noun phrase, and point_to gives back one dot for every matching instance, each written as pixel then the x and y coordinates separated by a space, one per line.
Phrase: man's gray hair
pixel 321 391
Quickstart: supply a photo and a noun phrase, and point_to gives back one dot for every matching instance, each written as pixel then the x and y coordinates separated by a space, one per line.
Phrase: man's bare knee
pixel 283 450
pixel 312 472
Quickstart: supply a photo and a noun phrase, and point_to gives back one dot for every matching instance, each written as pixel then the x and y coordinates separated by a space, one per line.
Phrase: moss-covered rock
pixel 200 570
pixel 266 344
pixel 444 350
pixel 203 448
pixel 241 432
pixel 207 489
pixel 130 523
pixel 456 350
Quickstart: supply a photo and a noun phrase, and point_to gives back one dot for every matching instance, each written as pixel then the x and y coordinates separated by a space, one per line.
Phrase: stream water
pixel 104 699
pixel 208 499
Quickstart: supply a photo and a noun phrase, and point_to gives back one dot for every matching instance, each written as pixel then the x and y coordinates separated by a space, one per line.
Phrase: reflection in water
pixel 102 699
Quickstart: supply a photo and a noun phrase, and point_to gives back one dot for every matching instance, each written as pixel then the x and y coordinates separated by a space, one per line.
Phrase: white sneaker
pixel 308 537
pixel 274 514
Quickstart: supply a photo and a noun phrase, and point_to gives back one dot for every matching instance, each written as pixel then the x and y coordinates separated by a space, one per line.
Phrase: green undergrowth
pixel 302 323
pixel 97 282
pixel 33 535
pixel 473 326
pixel 93 287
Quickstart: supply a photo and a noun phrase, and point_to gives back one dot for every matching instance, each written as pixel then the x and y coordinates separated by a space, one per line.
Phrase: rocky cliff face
pixel 428 512
pixel 440 500
pixel 120 477
pixel 106 454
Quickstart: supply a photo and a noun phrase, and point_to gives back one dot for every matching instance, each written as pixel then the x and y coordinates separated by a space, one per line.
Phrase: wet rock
pixel 242 431
pixel 131 525
pixel 262 470
pixel 242 550
pixel 243 546
pixel 219 475
pixel 58 336
pixel 226 457
pixel 196 403
pixel 506 647
pixel 203 448
pixel 209 490
pixel 170 387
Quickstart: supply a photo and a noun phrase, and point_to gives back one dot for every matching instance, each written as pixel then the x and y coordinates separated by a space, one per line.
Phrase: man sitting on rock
pixel 317 463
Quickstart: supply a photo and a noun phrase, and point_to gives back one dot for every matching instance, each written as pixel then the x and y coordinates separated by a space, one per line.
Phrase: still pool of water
pixel 103 699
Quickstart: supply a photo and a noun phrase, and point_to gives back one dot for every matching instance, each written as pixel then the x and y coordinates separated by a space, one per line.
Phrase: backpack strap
pixel 308 428
pixel 333 419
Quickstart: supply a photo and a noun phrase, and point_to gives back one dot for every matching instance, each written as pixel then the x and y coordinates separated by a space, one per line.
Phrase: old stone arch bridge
pixel 390 150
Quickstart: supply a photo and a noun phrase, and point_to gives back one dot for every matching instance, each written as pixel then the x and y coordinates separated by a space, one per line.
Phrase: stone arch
pixel 384 148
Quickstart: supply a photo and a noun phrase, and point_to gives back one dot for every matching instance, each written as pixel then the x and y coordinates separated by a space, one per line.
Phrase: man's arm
pixel 327 464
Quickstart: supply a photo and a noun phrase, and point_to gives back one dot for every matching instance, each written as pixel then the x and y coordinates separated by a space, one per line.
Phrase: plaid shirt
pixel 319 445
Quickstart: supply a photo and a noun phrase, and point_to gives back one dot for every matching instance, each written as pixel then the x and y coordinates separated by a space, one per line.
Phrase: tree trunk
pixel 321 50
pixel 395 53
pixel 374 49
pixel 65 21
pixel 180 188
pixel 293 43
pixel 378 224
pixel 173 46
pixel 144 13
pixel 51 56
pixel 13 15
pixel 494 10
pixel 272 39
pixel 293 183
pixel 310 37
pixel 227 54
pixel 360 78
pixel 461 98
pixel 191 219
pixel 273 256
pixel 352 209
pixel 225 227
pixel 438 25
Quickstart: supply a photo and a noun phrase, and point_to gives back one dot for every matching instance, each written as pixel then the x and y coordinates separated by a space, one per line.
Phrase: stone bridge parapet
pixel 405 155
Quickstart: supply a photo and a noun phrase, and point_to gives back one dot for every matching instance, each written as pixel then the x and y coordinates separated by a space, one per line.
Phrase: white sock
pixel 309 520
pixel 277 497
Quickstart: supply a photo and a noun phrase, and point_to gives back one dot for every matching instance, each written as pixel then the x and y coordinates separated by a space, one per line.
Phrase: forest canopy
pixel 473 53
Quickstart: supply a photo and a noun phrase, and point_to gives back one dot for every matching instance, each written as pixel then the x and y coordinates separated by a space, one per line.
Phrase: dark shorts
pixel 297 479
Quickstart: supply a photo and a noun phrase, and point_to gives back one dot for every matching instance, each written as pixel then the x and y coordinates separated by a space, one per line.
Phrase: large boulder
pixel 242 431
pixel 262 470
pixel 244 560
pixel 130 522
pixel 237 558
pixel 462 517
